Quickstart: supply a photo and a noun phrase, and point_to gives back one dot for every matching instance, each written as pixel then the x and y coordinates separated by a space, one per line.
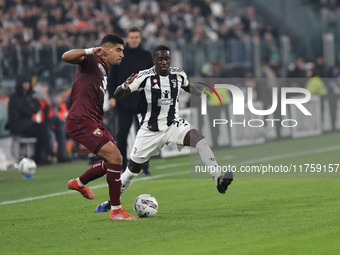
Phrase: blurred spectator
pixel 297 74
pixel 24 34
pixel 11 33
pixel 269 28
pixel 298 71
pixel 226 32
pixel 20 109
pixel 270 50
pixel 248 82
pixel 214 69
pixel 271 71
pixel 3 112
pixel 272 67
pixel 49 114
pixel 135 59
pixel 4 99
pixel 226 17
pixel 250 20
pixel 42 29
pixel 57 120
pixel 151 5
pixel 320 68
pixel 315 85
pixel 333 86
pixel 212 23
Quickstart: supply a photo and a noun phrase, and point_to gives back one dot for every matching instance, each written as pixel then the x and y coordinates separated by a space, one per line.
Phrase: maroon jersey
pixel 88 90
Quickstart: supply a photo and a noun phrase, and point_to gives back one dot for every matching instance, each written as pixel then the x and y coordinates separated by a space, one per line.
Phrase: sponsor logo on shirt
pixel 165 100
pixel 97 132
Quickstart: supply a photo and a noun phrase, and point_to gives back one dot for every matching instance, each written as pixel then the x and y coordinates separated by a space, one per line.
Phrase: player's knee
pixel 134 167
pixel 114 158
pixel 195 138
pixel 118 159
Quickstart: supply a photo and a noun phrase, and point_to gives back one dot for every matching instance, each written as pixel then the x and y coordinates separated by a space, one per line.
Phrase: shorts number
pixel 180 122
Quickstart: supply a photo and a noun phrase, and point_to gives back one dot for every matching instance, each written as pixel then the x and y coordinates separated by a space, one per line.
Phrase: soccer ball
pixel 145 205
pixel 27 166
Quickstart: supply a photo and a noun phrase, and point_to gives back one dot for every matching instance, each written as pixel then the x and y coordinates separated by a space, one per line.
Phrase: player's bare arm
pixel 193 90
pixel 124 89
pixel 77 55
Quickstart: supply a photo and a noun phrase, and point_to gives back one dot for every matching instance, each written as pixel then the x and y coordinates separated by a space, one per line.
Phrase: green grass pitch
pixel 255 216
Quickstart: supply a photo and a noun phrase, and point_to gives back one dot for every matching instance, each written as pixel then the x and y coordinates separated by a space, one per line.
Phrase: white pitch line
pixel 331 148
pixel 185 163
pixel 91 187
pixel 290 155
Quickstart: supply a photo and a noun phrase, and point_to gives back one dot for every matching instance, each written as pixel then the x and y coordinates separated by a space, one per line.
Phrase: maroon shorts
pixel 90 134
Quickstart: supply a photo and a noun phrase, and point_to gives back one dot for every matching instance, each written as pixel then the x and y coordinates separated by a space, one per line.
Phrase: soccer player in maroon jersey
pixel 84 121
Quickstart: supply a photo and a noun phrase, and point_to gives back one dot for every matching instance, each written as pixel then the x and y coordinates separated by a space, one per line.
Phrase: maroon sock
pixel 113 180
pixel 96 171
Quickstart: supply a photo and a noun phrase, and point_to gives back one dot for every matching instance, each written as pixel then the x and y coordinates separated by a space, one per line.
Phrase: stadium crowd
pixel 82 23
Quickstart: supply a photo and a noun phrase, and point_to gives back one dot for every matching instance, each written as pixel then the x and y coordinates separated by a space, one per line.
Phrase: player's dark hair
pixel 110 38
pixel 135 28
pixel 160 48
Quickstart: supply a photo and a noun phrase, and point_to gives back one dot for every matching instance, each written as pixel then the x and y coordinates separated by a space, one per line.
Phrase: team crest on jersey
pixel 101 67
pixel 97 132
pixel 174 83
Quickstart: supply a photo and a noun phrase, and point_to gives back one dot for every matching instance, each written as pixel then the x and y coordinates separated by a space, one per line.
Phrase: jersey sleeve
pixel 135 85
pixel 84 61
pixel 185 81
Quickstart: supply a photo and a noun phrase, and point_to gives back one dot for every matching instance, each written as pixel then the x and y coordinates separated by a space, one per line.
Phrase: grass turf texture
pixel 256 216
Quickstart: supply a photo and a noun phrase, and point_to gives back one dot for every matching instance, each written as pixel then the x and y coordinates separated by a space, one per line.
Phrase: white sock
pixel 208 158
pixel 79 182
pixel 126 178
pixel 116 207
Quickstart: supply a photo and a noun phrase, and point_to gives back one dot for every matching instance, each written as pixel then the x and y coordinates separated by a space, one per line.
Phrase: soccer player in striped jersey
pixel 159 89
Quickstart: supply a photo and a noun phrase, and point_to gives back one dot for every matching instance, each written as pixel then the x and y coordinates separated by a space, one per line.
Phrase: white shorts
pixel 149 143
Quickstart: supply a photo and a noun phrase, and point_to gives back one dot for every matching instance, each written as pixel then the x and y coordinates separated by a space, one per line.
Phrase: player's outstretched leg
pixel 129 175
pixel 110 153
pixel 194 139
pixel 126 178
pixel 113 180
pixel 208 158
pixel 94 172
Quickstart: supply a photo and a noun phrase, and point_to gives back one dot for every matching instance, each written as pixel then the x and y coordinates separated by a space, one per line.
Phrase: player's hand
pixel 100 51
pixel 129 80
pixel 112 102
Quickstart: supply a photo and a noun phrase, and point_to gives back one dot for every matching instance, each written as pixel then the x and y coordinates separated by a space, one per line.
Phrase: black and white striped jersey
pixel 158 105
